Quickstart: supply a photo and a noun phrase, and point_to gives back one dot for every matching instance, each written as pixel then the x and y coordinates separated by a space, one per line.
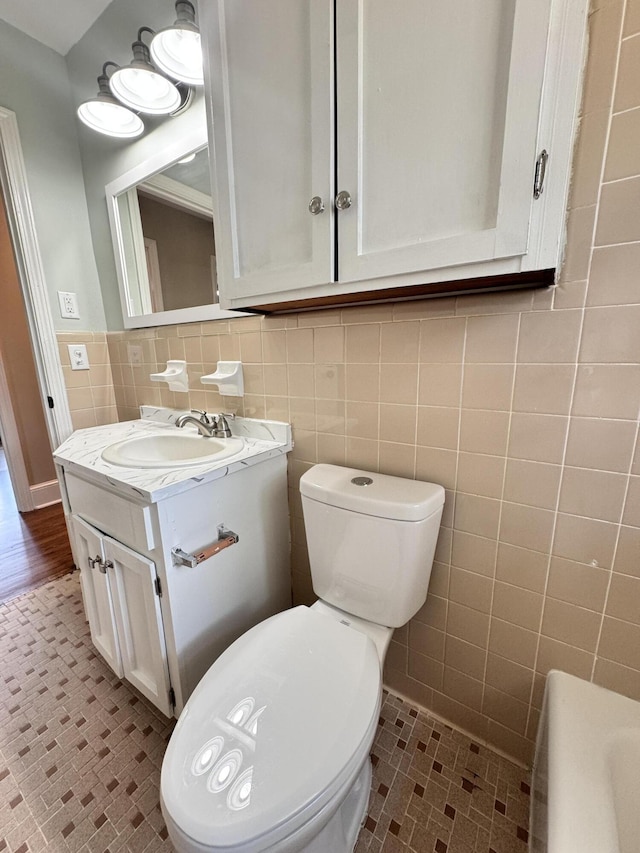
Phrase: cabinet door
pixel 139 620
pixel 271 121
pixel 96 592
pixel 437 110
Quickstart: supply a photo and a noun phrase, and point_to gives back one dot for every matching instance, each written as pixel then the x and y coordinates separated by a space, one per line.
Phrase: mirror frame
pixel 187 144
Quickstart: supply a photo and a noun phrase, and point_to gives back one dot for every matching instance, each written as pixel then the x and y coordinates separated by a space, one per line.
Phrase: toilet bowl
pixel 271 752
pixel 290 710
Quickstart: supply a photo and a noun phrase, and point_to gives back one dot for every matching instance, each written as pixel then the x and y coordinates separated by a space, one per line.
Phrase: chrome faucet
pixel 205 425
pixel 209 426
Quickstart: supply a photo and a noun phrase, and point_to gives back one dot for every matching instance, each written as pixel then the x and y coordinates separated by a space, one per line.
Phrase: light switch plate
pixel 78 356
pixel 68 305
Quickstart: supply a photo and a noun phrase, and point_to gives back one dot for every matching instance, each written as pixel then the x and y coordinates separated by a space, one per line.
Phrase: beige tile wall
pixel 524 406
pixel 90 392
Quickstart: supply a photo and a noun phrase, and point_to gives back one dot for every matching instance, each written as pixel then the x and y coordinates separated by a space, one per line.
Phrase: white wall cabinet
pixel 161 624
pixel 359 145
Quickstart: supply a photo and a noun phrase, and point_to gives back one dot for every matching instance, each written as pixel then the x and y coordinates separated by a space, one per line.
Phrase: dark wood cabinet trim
pixel 510 281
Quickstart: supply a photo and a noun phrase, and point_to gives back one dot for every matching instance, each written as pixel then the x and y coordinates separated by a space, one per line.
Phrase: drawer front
pixel 128 522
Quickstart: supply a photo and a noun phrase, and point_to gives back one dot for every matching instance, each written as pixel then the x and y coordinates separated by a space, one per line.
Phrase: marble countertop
pixel 81 454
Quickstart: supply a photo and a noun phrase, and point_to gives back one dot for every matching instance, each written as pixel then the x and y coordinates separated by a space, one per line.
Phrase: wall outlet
pixel 68 305
pixel 78 356
pixel 134 353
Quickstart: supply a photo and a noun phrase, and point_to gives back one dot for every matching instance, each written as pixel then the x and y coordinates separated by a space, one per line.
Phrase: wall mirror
pixel 161 218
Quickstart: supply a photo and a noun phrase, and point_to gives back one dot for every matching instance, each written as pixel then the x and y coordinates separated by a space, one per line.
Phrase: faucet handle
pixel 204 417
pixel 222 427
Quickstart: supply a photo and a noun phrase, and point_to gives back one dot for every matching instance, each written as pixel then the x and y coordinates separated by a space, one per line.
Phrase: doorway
pixel 27 453
pixel 28 446
pixel 34 546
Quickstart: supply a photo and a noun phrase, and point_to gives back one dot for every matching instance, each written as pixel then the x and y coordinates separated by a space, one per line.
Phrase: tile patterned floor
pixel 80 753
pixel 80 756
pixel 434 789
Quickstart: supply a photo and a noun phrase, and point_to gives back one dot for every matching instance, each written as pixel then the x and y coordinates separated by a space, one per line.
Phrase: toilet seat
pixel 280 723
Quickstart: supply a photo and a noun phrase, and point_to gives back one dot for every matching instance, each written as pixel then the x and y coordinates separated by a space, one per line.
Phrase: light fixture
pixel 176 49
pixel 107 115
pixel 141 86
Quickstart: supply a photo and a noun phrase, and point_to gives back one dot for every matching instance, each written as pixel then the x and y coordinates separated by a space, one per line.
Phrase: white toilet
pixel 271 752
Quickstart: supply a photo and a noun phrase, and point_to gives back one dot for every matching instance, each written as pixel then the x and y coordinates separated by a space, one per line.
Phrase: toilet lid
pixel 271 728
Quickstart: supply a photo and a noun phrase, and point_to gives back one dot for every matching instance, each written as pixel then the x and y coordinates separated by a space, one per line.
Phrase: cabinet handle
pixel 316 205
pixel 541 170
pixel 343 200
pixel 102 565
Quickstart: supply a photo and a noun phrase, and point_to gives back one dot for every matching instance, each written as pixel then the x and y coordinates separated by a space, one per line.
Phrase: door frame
pixel 13 180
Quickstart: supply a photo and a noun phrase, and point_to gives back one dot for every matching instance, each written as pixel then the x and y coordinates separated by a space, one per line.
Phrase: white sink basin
pixel 170 450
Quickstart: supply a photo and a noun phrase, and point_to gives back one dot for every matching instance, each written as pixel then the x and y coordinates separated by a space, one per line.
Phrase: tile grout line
pixel 603 167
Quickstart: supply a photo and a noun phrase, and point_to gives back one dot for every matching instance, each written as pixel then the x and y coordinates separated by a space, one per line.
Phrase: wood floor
pixel 34 547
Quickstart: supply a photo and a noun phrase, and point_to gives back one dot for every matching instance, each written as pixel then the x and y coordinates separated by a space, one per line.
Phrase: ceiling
pixel 58 24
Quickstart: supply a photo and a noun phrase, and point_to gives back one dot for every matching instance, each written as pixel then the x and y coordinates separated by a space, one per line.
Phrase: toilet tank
pixel 371 540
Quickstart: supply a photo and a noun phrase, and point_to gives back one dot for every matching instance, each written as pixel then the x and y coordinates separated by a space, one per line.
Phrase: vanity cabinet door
pixel 437 112
pixel 134 589
pixel 121 599
pixel 270 89
pixel 96 592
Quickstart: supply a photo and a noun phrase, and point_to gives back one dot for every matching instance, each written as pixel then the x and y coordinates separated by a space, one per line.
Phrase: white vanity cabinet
pixel 157 622
pixel 121 593
pixel 362 146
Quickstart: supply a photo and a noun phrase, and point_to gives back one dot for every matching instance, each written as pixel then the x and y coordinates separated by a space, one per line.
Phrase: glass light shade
pixel 145 90
pixel 141 87
pixel 176 50
pixel 104 114
pixel 110 118
pixel 178 53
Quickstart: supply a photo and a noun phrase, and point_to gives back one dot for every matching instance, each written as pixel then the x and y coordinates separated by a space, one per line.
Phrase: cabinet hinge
pixel 541 169
pixel 158 587
pixel 172 697
pixel 50 402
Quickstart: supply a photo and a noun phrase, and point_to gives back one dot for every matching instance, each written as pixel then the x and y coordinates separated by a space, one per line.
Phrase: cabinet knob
pixel 316 205
pixel 343 200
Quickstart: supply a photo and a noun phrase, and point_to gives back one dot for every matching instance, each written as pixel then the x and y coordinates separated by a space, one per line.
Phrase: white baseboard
pixel 44 494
